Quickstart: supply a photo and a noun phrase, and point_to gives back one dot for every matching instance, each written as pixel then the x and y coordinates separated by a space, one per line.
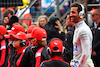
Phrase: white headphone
pixel 81 13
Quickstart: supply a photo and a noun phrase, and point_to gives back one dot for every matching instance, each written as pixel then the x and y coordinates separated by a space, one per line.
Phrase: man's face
pixel 94 16
pixel 34 42
pixel 74 14
pixel 16 43
pixel 42 43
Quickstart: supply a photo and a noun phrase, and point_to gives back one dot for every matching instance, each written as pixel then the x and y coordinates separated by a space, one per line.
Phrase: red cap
pixel 2 29
pixel 28 36
pixel 39 34
pixel 15 29
pixel 56 44
pixel 20 35
pixel 30 28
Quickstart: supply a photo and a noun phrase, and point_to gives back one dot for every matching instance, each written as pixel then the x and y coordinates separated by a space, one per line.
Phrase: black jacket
pixel 23 59
pixel 96 38
pixel 68 43
pixel 41 55
pixel 53 32
pixel 55 62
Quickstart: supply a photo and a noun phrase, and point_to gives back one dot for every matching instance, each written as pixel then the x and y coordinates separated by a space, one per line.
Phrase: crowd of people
pixel 47 44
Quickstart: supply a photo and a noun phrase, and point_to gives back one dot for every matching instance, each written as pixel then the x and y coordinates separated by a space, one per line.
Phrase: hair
pixel 42 16
pixel 7 11
pixel 13 19
pixel 76 4
pixel 55 53
pixel 53 20
pixel 97 11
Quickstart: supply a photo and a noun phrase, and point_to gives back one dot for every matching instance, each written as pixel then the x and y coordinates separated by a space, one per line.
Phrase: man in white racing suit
pixel 82 40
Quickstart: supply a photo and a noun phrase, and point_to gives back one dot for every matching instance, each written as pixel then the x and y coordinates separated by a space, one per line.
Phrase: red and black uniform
pixel 41 55
pixel 55 61
pixel 3 52
pixel 22 58
pixel 11 54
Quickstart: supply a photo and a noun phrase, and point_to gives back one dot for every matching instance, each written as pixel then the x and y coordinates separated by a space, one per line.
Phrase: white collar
pixel 95 25
pixel 79 24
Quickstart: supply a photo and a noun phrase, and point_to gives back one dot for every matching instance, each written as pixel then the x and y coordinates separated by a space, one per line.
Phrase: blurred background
pixel 59 8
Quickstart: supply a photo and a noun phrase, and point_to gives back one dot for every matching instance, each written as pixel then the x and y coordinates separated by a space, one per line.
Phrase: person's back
pixel 58 62
pixel 56 50
pixel 39 37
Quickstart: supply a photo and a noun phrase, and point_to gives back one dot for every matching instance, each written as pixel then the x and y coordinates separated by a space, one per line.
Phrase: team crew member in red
pixel 29 30
pixel 3 46
pixel 23 56
pixel 14 30
pixel 55 49
pixel 39 36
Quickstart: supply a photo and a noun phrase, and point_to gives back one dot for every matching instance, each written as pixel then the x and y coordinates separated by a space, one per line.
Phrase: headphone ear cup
pixel 63 51
pixel 81 14
pixel 49 50
pixel 22 43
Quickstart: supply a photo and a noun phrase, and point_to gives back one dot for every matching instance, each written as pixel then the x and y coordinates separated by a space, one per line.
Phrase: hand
pixel 71 66
pixel 6 20
pixel 59 26
pixel 94 53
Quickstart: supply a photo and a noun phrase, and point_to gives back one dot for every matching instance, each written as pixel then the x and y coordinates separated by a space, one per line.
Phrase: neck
pixel 56 58
pixel 80 20
pixel 20 48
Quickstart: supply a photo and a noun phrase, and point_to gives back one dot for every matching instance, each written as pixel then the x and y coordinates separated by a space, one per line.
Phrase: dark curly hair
pixel 76 4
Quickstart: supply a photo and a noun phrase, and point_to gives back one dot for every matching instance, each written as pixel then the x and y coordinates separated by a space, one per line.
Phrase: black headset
pixel 10 44
pixel 22 43
pixel 49 50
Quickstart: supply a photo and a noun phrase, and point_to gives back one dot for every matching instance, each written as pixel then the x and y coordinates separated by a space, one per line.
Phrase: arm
pixel 86 47
pixel 3 52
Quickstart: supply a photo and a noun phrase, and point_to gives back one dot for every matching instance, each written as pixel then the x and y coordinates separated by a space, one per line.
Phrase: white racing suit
pixel 82 46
